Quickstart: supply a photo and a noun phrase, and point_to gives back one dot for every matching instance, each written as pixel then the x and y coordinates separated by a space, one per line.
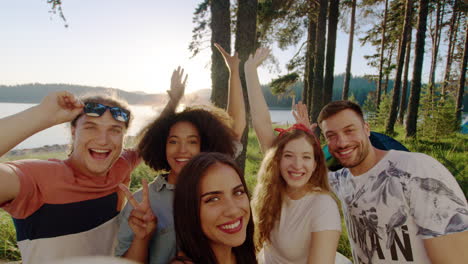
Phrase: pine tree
pixel 412 117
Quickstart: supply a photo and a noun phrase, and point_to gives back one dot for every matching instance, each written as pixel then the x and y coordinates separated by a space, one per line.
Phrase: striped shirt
pixel 60 213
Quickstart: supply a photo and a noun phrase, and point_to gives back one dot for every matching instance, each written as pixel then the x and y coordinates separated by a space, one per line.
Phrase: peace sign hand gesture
pixel 141 220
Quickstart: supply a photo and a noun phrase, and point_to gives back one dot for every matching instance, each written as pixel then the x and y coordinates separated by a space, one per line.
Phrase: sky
pixel 132 45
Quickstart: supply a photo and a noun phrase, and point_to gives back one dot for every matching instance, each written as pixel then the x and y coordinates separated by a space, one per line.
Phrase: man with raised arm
pixel 68 208
pixel 399 207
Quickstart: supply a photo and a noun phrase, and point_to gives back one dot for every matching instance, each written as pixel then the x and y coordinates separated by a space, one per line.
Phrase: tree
pixel 411 119
pixel 245 44
pixel 220 28
pixel 316 92
pixel 350 51
pixel 382 49
pixel 333 14
pixel 310 58
pixel 436 115
pixel 389 129
pixel 461 84
pixel 404 90
pixel 285 22
pixel 435 33
pixel 56 7
pixel 390 67
pixel 451 46
pixel 384 36
pixel 220 33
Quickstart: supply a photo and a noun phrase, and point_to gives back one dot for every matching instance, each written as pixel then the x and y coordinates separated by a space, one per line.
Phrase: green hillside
pixel 33 93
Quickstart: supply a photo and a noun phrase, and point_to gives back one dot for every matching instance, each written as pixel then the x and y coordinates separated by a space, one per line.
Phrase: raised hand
pixel 60 107
pixel 301 115
pixel 141 220
pixel 177 84
pixel 256 59
pixel 55 108
pixel 231 61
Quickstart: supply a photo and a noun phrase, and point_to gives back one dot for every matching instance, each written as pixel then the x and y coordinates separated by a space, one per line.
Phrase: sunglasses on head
pixel 97 109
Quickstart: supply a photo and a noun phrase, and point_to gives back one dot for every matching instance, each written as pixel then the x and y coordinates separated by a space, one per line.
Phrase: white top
pixel 389 210
pixel 290 237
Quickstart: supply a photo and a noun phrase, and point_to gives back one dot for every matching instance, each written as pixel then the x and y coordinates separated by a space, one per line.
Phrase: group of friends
pixel 399 207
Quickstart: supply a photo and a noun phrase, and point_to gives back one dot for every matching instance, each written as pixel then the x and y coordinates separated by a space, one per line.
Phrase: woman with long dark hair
pixel 212 214
pixel 167 144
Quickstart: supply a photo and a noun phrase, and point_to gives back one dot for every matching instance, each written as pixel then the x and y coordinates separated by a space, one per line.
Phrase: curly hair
pixel 215 136
pixel 271 187
pixel 218 112
pixel 189 234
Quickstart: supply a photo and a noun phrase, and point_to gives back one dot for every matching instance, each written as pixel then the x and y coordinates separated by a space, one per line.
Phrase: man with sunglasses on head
pixel 64 208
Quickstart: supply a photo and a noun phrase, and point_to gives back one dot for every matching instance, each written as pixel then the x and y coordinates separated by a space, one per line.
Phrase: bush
pixel 379 119
pixel 438 116
pixel 139 173
pixel 8 247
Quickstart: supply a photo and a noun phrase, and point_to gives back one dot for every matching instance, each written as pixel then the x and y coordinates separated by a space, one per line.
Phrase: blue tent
pixel 378 140
pixel 464 128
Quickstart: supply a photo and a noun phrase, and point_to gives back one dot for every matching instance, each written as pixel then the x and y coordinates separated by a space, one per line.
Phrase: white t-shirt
pixel 405 198
pixel 290 237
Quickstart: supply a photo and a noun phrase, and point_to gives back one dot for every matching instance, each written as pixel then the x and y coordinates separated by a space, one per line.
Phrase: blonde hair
pixel 270 190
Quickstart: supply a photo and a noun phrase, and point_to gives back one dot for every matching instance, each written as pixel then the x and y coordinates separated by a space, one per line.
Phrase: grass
pixel 8 247
pixel 450 150
pixel 42 156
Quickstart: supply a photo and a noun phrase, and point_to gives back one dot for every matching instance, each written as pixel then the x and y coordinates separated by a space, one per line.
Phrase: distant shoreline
pixel 38 150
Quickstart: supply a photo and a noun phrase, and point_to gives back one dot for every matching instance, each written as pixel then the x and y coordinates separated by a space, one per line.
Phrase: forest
pixel 423 111
pixel 404 34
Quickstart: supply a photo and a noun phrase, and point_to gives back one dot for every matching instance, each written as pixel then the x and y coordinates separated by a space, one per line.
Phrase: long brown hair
pixel 271 187
pixel 189 234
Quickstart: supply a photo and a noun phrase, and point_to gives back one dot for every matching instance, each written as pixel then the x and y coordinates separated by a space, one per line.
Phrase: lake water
pixel 143 114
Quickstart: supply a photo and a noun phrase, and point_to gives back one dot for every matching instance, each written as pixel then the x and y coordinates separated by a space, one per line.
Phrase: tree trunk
pixel 316 92
pixel 451 39
pixel 310 59
pixel 461 84
pixel 246 37
pixel 411 119
pixel 220 33
pixel 382 49
pixel 389 129
pixel 404 91
pixel 333 14
pixel 347 77
pixel 388 70
pixel 435 37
